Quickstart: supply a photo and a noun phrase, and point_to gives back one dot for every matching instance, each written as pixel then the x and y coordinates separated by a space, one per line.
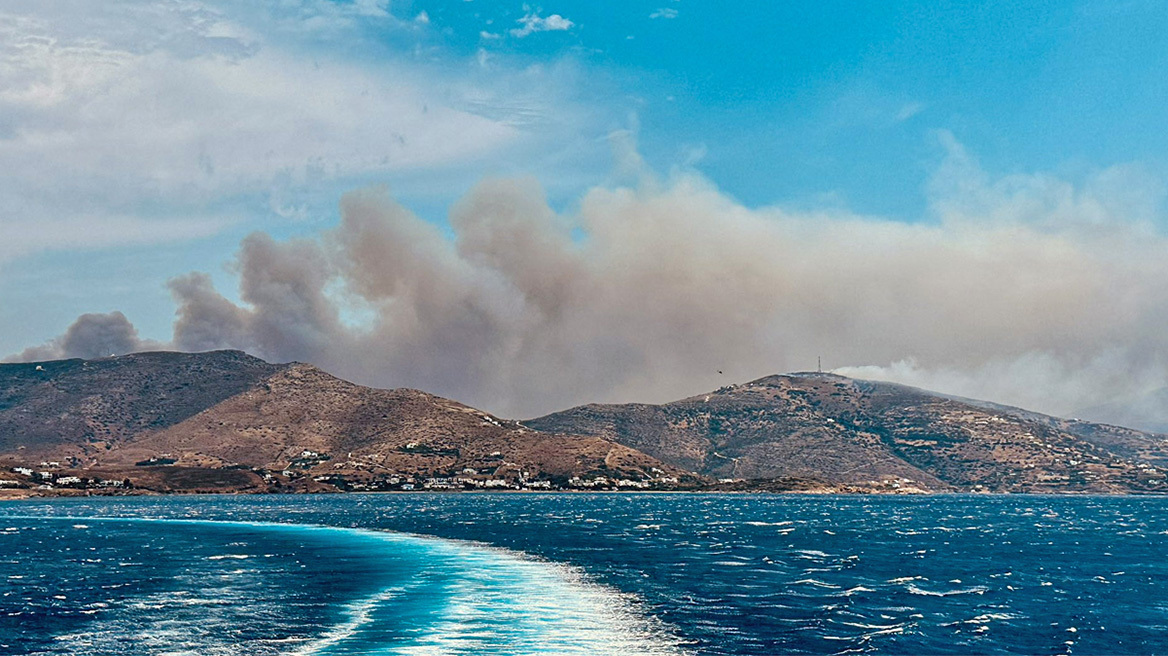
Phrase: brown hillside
pixel 858 432
pixel 363 431
pixel 47 406
pixel 225 421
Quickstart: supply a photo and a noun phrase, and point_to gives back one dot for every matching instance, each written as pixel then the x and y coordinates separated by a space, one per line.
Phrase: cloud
pixel 90 336
pixel 909 110
pixel 1026 289
pixel 143 123
pixel 532 22
pixel 664 12
pixel 132 114
pixel 85 230
pixel 371 7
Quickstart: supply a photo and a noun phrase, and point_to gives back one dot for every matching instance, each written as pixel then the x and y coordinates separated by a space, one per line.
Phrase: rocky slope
pixel 45 406
pixel 848 432
pixel 227 421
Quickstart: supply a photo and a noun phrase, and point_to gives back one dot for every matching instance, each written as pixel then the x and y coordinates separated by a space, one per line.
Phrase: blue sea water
pixel 584 574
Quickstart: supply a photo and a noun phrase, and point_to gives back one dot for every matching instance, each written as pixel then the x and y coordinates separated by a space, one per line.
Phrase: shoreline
pixel 16 495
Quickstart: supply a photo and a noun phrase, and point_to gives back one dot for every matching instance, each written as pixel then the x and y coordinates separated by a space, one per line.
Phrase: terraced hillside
pixel 846 431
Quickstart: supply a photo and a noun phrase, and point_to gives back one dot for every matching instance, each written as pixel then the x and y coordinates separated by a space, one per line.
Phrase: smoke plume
pixel 91 336
pixel 1027 290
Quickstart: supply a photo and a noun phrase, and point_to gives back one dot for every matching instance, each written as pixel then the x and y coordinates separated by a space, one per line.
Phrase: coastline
pixel 22 495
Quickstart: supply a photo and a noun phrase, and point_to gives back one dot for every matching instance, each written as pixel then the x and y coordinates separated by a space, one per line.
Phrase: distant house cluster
pixel 356 476
pixel 46 478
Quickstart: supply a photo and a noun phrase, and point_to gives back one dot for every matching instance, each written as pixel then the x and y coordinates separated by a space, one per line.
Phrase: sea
pixel 595 574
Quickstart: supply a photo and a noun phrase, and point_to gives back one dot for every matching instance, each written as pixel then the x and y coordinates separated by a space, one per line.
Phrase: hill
pixel 225 421
pixel 876 435
pixel 45 406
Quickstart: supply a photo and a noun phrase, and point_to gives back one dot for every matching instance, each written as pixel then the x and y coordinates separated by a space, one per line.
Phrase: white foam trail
pixel 490 601
pixel 497 601
pixel 359 613
pixel 504 602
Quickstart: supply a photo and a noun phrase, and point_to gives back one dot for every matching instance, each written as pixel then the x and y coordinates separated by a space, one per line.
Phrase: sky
pixel 528 206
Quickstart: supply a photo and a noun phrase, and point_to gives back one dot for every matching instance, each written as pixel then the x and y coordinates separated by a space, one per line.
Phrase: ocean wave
pixel 977 589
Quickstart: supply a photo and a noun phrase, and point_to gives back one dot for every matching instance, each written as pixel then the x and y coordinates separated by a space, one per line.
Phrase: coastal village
pixel 53 478
pixel 48 478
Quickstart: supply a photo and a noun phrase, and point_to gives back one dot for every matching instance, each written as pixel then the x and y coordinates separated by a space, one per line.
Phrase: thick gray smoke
pixel 1026 290
pixel 91 336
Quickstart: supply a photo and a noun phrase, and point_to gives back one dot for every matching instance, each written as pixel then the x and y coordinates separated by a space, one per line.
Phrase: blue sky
pixel 144 140
pixel 792 103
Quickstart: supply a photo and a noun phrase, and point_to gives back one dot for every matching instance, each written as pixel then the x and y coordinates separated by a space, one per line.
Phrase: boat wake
pixel 419 595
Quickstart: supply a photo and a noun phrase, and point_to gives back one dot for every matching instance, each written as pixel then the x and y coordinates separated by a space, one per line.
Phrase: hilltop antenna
pixel 819 360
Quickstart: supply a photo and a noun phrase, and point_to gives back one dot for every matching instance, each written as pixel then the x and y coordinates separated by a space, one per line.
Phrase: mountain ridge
pixel 163 421
pixel 851 431
pixel 227 421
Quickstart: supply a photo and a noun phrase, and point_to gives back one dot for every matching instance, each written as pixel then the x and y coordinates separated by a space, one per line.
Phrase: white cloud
pixel 909 110
pixel 532 22
pixel 664 12
pixel 123 115
pixel 92 231
pixel 371 7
